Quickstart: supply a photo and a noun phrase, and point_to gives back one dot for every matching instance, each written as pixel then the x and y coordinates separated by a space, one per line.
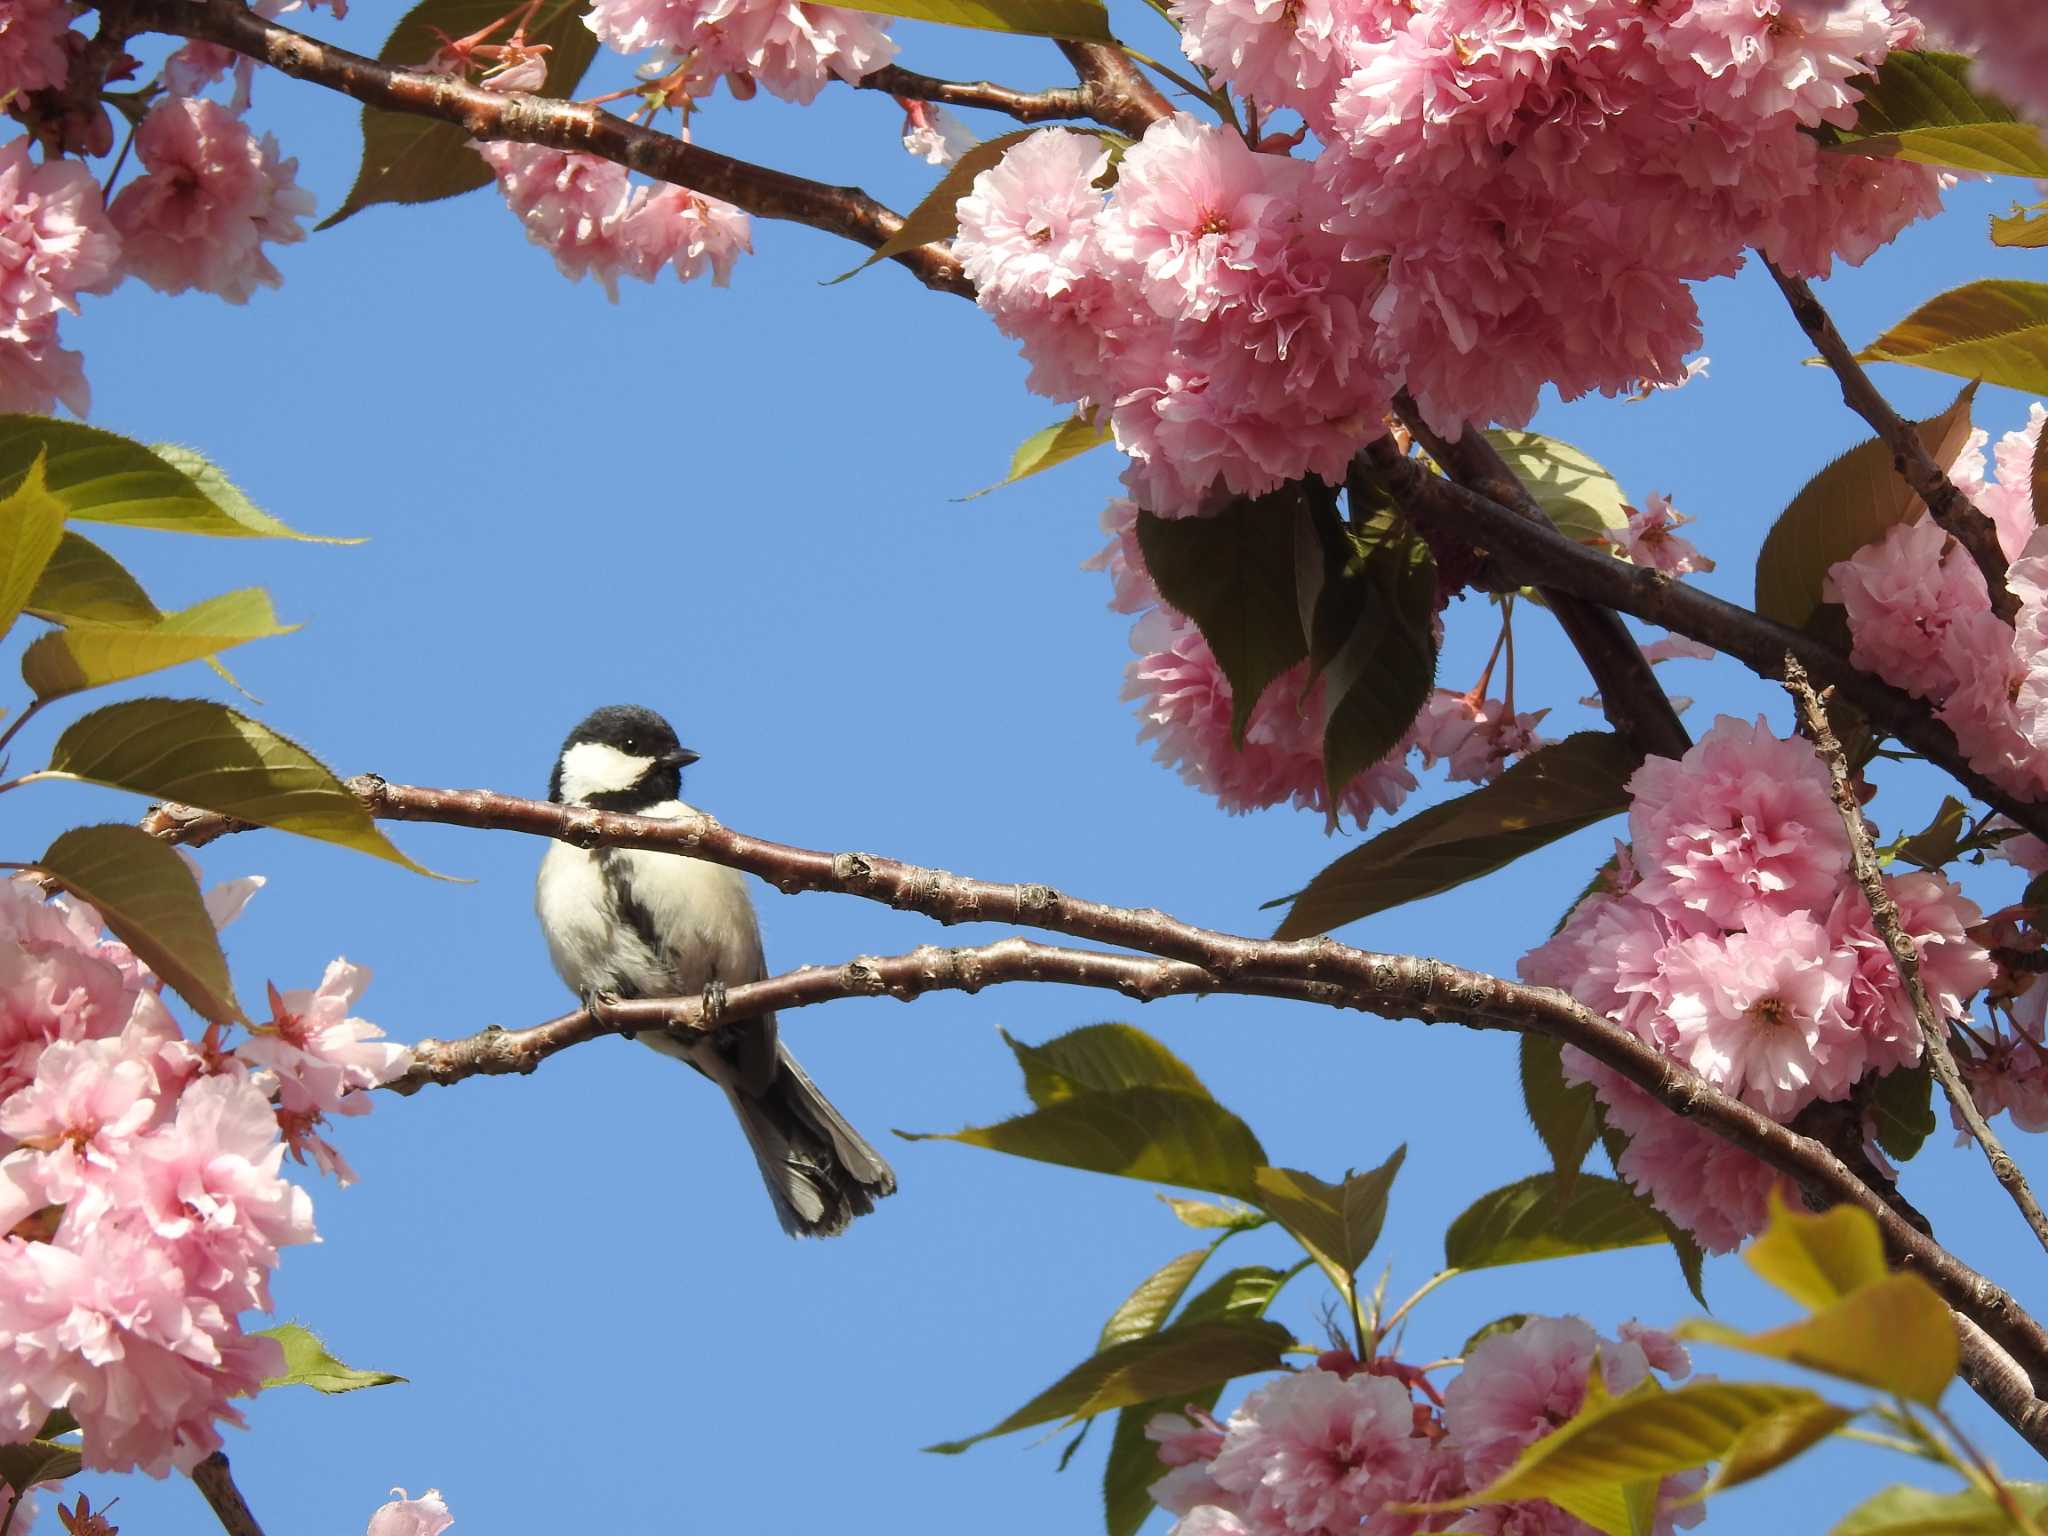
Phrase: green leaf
pixel 1233 574
pixel 1050 446
pixel 149 899
pixel 1692 1259
pixel 1243 1292
pixel 1994 331
pixel 1817 1259
pixel 1544 796
pixel 1940 842
pixel 1902 1108
pixel 87 655
pixel 1769 1444
pixel 1894 1334
pixel 207 755
pixel 1512 1323
pixel 31 527
pixel 1587 1464
pixel 308 1364
pixel 1083 20
pixel 1337 1223
pixel 1849 504
pixel 1528 1221
pixel 1163 1135
pixel 1921 107
pixel 1903 1511
pixel 1201 1213
pixel 1380 677
pixel 1566 1115
pixel 1183 1358
pixel 937 217
pixel 84 582
pixel 101 478
pixel 29 1462
pixel 1099 1058
pixel 411 159
pixel 2023 228
pixel 1146 1309
pixel 1582 500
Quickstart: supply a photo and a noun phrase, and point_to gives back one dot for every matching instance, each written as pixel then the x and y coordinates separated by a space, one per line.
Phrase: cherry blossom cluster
pixel 1502 197
pixel 209 197
pixel 1184 702
pixel 142 1195
pixel 1344 1448
pixel 788 48
pixel 1730 936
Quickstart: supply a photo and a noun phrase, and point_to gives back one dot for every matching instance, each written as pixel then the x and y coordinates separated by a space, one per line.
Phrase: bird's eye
pixel 633 745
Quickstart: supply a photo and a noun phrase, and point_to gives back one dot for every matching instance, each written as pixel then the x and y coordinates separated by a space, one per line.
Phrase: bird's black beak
pixel 682 757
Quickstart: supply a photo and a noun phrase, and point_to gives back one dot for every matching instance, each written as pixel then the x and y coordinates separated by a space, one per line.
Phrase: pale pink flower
pixel 1954 967
pixel 1518 1387
pixel 1027 226
pixel 1743 818
pixel 1663 1352
pixel 1281 53
pixel 55 243
pixel 573 205
pixel 426 1515
pixel 789 48
pixel 933 134
pixel 1709 1186
pixel 211 196
pixel 1610 956
pixel 1902 595
pixel 32 55
pixel 1650 539
pixel 1130 582
pixel 675 227
pixel 80 1116
pixel 1315 1451
pixel 1677 648
pixel 1475 737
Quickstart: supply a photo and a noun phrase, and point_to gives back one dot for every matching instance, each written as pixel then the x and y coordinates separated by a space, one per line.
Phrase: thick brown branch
pixel 1929 481
pixel 213 1479
pixel 1025 106
pixel 929 968
pixel 1542 556
pixel 1395 986
pixel 524 119
pixel 1119 95
pixel 1884 913
pixel 1630 695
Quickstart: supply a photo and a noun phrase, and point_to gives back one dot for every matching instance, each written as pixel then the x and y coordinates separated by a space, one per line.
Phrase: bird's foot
pixel 713 1014
pixel 597 1001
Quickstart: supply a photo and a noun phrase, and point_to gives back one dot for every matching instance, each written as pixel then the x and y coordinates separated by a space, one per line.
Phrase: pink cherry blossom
pixel 55 243
pixel 426 1515
pixel 1649 539
pixel 1610 956
pixel 1475 737
pixel 685 230
pixel 1517 1387
pixel 1902 595
pixel 1707 1185
pixel 1315 1452
pixel 211 196
pixel 1028 224
pixel 1743 818
pixel 1954 966
pixel 32 55
pixel 933 134
pixel 789 48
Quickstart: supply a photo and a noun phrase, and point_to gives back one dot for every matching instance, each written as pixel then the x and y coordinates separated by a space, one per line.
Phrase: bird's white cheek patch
pixel 592 768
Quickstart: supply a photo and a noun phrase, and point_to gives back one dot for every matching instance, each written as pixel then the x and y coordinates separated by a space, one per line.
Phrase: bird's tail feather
pixel 819 1170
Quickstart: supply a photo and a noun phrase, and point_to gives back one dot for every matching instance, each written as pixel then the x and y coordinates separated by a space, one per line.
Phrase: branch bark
pixel 1542 556
pixel 212 1478
pixel 1119 94
pixel 1025 106
pixel 519 118
pixel 1929 481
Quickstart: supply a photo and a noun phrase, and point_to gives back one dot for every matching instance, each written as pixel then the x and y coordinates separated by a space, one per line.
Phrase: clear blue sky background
pixel 738 507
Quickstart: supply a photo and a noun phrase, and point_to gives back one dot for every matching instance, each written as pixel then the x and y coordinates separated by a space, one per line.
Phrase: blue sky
pixel 738 507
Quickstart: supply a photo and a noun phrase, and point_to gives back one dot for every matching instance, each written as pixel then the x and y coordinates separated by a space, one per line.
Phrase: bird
pixel 630 923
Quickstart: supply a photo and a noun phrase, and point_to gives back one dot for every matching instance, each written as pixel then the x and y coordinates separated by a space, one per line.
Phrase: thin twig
pixel 1884 912
pixel 1025 106
pixel 213 1479
pixel 1928 480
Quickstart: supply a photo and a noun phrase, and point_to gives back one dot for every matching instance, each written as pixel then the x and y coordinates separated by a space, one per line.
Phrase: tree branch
pixel 519 118
pixel 1884 912
pixel 1118 93
pixel 213 1479
pixel 1544 557
pixel 1025 106
pixel 1929 481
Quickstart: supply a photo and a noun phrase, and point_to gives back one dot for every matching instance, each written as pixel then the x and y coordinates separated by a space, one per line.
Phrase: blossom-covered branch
pixel 1948 506
pixel 1545 557
pixel 512 116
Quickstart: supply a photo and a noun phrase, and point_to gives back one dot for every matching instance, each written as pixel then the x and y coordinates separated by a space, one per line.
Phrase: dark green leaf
pixel 1380 677
pixel 31 527
pixel 1337 1223
pixel 308 1364
pixel 937 217
pixel 1902 1109
pixel 1099 1058
pixel 1566 1115
pixel 24 1465
pixel 1994 331
pixel 1183 1358
pixel 1547 795
pixel 1528 1221
pixel 1163 1135
pixel 1512 1323
pixel 1692 1259
pixel 148 898
pixel 1050 446
pixel 204 754
pixel 1146 1309
pixel 1851 503
pixel 1920 106
pixel 1582 500
pixel 1233 574
pixel 1074 1444
pixel 412 159
pixel 88 655
pixel 1903 1511
pixel 1940 842
pixel 83 581
pixel 1084 20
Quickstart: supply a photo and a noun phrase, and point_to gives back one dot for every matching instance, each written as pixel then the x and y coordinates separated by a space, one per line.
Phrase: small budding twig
pixel 1884 912
pixel 212 1478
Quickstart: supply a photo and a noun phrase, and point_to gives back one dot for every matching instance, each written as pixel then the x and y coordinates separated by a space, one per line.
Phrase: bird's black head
pixel 620 758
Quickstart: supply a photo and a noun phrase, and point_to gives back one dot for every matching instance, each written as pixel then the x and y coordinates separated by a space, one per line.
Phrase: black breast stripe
pixel 631 910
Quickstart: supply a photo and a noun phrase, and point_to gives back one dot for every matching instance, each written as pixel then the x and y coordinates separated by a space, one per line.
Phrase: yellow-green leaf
pixel 1337 1223
pixel 1083 20
pixel 88 655
pixel 1535 1219
pixel 1183 1358
pixel 1049 446
pixel 1995 330
pixel 1146 1309
pixel 1851 503
pixel 149 900
pixel 1099 1058
pixel 1770 1443
pixel 308 1364
pixel 83 581
pixel 2022 229
pixel 937 217
pixel 31 527
pixel 1894 1334
pixel 1581 499
pixel 1817 1259
pixel 1903 1511
pixel 1202 1213
pixel 1164 1135
pixel 1920 106
pixel 205 754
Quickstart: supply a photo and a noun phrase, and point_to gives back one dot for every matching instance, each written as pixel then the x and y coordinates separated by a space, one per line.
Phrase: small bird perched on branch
pixel 628 923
